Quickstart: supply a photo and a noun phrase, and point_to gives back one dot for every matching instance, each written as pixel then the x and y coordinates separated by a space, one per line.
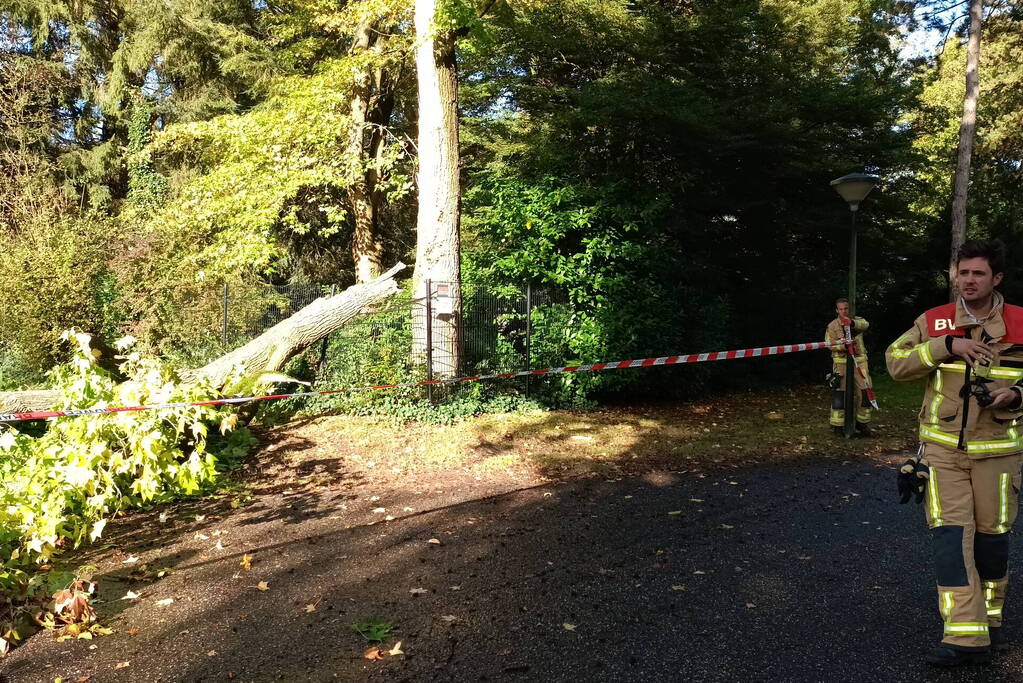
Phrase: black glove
pixel 913 476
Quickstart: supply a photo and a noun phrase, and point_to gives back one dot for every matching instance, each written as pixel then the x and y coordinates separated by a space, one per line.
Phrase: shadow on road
pixel 808 572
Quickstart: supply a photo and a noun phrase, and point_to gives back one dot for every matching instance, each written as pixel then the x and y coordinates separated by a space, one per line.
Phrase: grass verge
pixel 727 429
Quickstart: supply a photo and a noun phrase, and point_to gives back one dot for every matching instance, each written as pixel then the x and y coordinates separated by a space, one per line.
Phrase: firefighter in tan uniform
pixel 968 468
pixel 836 333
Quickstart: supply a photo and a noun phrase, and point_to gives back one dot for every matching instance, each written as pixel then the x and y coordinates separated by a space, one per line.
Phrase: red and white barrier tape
pixel 590 367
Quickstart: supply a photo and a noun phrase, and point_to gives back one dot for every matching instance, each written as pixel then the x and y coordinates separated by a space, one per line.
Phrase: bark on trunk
pixel 967 132
pixel 266 353
pixel 371 107
pixel 437 246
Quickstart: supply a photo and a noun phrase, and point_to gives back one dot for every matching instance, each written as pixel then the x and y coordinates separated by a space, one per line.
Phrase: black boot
pixel 863 429
pixel 999 641
pixel 947 655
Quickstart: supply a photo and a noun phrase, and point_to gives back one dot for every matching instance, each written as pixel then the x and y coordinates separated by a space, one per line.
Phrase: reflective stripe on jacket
pixel 945 417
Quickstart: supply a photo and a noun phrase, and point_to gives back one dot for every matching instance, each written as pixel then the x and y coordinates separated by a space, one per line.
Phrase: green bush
pixel 375 349
pixel 625 295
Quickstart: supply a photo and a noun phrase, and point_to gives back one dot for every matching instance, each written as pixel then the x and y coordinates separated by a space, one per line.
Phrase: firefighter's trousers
pixel 971 505
pixel 837 417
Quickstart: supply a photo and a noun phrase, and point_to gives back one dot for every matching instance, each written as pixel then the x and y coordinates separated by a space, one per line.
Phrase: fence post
pixel 224 333
pixel 429 339
pixel 529 332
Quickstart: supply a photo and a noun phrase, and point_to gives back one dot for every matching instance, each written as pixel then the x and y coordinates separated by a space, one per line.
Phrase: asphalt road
pixel 804 572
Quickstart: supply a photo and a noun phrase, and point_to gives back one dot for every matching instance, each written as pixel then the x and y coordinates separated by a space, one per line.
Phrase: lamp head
pixel 855 187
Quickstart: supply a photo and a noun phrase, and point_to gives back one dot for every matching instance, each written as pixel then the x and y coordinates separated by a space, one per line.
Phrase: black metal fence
pixel 497 330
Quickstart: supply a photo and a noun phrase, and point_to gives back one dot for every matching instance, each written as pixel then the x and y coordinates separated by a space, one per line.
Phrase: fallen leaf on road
pixel 435 541
pixel 199 536
pixel 218 546
pixel 130 560
pixel 379 510
pixel 418 591
pixel 263 586
pixel 750 605
pixel 165 601
pixel 122 665
pixel 373 654
pixel 727 526
pixel 696 500
pixel 449 618
pixel 132 631
pixel 806 557
pixel 130 595
pixel 200 518
pixel 211 653
pixel 456 588
pixel 82 679
pixel 568 627
pixel 699 571
pixel 396 650
pixel 246 562
pixel 310 608
pixel 675 512
pixel 678 588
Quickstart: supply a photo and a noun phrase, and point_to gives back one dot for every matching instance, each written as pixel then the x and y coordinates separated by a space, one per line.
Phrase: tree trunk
pixel 371 108
pixel 266 353
pixel 271 350
pixel 438 258
pixel 967 132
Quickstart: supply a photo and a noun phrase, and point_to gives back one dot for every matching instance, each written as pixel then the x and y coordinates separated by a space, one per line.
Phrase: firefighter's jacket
pixel 947 418
pixel 836 332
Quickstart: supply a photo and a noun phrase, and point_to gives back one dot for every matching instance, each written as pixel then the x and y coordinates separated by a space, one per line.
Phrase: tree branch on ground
pixel 268 352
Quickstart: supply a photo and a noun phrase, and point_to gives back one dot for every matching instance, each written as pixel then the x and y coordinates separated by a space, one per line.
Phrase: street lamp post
pixel 853 188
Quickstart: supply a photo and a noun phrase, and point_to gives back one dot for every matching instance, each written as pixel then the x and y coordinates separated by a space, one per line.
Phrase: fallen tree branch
pixel 268 352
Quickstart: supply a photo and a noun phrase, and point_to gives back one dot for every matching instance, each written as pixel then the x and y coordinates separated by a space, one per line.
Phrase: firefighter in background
pixel 836 333
pixel 967 471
